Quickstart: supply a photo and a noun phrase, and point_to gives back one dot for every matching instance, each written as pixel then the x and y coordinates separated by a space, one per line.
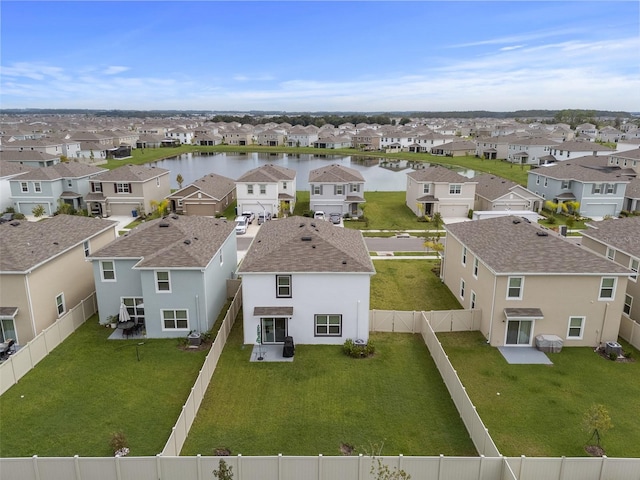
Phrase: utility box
pixel 612 347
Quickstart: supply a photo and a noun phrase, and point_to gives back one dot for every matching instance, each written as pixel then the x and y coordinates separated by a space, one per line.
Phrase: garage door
pixel 202 209
pixel 453 210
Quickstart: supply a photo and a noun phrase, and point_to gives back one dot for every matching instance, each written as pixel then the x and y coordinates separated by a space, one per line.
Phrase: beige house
pixel 440 189
pixel 208 196
pixel 619 241
pixel 44 272
pixel 529 281
pixel 127 188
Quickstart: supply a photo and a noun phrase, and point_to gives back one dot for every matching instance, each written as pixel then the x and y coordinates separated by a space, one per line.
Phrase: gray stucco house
pixel 170 273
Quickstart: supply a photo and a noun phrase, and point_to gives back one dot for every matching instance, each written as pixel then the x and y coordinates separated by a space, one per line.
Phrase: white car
pixel 319 215
pixel 241 225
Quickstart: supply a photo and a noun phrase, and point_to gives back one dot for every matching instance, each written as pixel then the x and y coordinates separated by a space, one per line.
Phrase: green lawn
pixel 540 408
pixel 324 398
pixel 90 387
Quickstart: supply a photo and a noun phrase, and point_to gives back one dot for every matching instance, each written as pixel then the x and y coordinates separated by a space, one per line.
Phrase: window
pixel 464 255
pixel 633 266
pixel 24 187
pixel 476 265
pixel 317 189
pixel 123 188
pixel 163 282
pixel 472 304
pixel 514 291
pixel 607 288
pixel 283 286
pixel 250 189
pixel 175 320
pixel 462 285
pixel 85 247
pixel 628 301
pixel 426 188
pixel 108 271
pixel 263 189
pixel 328 325
pixel 576 326
pixel 455 189
pixel 610 253
pixel 37 187
pixel 60 304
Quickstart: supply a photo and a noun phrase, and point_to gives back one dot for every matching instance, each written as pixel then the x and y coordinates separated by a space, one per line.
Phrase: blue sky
pixel 321 56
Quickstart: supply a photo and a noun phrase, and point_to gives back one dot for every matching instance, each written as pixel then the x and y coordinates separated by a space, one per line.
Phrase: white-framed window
pixel 476 267
pixel 175 319
pixel 37 187
pixel 634 264
pixel 328 325
pixel 628 302
pixel 515 287
pixel 610 253
pixel 464 256
pixel 426 188
pixel 123 188
pixel 60 306
pixel 607 288
pixel 462 285
pixel 85 247
pixel 263 189
pixel 250 189
pixel 24 187
pixel 472 303
pixel 455 189
pixel 576 328
pixel 163 281
pixel 283 286
pixel 108 271
pixel 317 189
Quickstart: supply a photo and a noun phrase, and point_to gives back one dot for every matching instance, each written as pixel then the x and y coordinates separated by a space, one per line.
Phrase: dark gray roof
pixel 301 244
pixel 620 233
pixel 335 174
pixel 268 174
pixel 175 241
pixel 510 245
pixel 131 173
pixel 436 173
pixel 24 245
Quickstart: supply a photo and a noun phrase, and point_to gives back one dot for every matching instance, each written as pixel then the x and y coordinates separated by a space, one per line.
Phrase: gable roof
pixel 512 245
pixel 620 233
pixel 214 185
pixel 301 244
pixel 25 245
pixel 175 241
pixel 438 174
pixel 268 173
pixel 131 173
pixel 335 174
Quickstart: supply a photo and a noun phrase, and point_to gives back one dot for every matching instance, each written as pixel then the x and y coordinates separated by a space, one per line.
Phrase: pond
pixel 380 174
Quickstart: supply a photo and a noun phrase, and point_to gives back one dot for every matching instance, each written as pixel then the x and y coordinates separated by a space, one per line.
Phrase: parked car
pixel 319 215
pixel 263 217
pixel 335 218
pixel 250 216
pixel 7 217
pixel 241 225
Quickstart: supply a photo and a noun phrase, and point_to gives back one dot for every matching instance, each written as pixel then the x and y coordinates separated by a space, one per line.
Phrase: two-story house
pixel 440 189
pixel 619 241
pixel 528 281
pixel 209 196
pixel 336 189
pixel 126 189
pixel 171 274
pixel 307 279
pixel 50 187
pixel 600 192
pixel 44 270
pixel 269 188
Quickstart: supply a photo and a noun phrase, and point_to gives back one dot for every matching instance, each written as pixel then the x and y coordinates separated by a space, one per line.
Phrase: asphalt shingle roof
pixel 620 233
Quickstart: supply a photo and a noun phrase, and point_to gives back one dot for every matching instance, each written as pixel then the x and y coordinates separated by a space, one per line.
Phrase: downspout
pixel 493 306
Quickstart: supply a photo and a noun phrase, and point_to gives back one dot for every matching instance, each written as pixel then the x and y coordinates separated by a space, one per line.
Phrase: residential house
pixel 618 240
pixel 307 279
pixel 336 188
pixel 44 270
pixel 171 273
pixel 496 193
pixel 600 192
pixel 529 281
pixel 208 196
pixel 455 149
pixel 440 189
pixel 8 170
pixel 29 158
pixel 50 187
pixel 529 150
pixel 269 188
pixel 126 189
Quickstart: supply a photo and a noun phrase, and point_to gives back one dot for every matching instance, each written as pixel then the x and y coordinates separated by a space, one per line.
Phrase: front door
pixel 273 330
pixel 519 332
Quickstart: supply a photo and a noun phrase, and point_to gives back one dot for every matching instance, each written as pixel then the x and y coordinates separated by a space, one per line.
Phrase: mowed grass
pixel 540 408
pixel 90 387
pixel 324 398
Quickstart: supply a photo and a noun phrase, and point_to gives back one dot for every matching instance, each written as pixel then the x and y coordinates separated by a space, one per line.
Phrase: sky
pixel 313 56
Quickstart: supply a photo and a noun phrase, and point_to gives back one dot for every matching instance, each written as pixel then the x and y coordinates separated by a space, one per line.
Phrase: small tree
pixel 224 471
pixel 38 211
pixel 179 180
pixel 597 421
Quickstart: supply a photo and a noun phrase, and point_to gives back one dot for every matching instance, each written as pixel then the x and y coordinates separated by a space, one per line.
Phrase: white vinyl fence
pixel 28 356
pixel 630 331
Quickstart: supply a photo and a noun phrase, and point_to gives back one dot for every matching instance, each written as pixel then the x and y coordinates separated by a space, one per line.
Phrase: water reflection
pixel 380 174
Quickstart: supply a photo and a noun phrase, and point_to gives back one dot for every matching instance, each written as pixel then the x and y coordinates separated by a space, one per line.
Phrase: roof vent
pixel 187 242
pixel 306 239
pixel 542 234
pixel 163 224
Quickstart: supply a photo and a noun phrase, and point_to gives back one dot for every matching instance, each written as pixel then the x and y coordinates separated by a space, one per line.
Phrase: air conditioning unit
pixel 612 347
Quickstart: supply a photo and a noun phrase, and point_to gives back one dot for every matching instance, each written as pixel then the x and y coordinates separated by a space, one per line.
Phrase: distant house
pixel 44 270
pixel 439 189
pixel 496 193
pixel 618 240
pixel 269 188
pixel 528 281
pixel 208 196
pixel 62 183
pixel 307 279
pixel 170 273
pixel 127 188
pixel 336 188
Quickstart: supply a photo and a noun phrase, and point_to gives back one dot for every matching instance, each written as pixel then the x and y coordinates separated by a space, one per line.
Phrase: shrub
pixel 354 350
